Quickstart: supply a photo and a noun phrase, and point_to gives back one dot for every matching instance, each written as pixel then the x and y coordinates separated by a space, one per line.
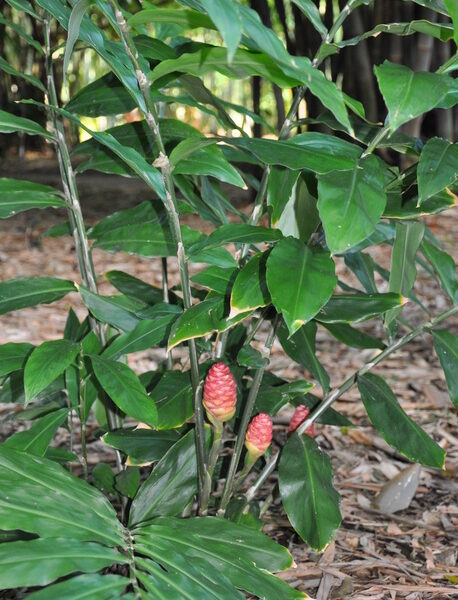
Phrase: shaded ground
pixel 410 555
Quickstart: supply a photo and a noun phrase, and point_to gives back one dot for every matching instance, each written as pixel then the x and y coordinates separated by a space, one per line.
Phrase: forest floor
pixel 411 554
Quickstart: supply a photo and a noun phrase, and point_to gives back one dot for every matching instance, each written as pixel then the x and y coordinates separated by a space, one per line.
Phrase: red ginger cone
pixel 259 435
pixel 299 416
pixel 220 393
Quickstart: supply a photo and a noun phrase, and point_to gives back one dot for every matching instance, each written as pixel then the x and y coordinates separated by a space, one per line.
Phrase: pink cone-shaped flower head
pixel 259 435
pixel 300 414
pixel 220 393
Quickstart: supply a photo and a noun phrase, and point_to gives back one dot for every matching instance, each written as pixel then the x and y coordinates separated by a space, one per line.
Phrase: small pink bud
pixel 300 414
pixel 259 435
pixel 220 393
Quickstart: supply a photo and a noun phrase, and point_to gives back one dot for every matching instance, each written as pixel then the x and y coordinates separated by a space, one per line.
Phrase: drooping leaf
pixel 30 291
pixel 353 337
pixel 76 16
pixel 124 388
pixel 17 195
pixel 355 308
pixel 46 363
pixel 408 94
pixel 403 270
pixel 225 15
pixel 279 188
pixel 362 265
pixel 299 299
pixel 351 203
pixel 307 493
pixel 444 265
pixel 37 439
pixel 31 79
pixel 437 168
pixel 395 426
pixel 310 10
pixel 301 348
pixel 300 217
pixel 13 356
pixel 250 287
pixel 446 346
pixel 107 310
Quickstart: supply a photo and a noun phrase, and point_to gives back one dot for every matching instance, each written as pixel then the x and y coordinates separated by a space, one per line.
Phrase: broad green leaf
pixel 395 426
pixel 280 186
pixel 437 168
pixel 446 346
pixel 84 587
pixel 107 310
pixel 403 270
pixel 128 481
pixel 353 337
pixel 13 357
pixel 225 15
pixel 300 217
pixel 135 288
pixel 329 417
pixel 209 161
pixel 436 5
pixel 310 10
pixel 37 439
pixel 7 68
pixel 250 287
pixel 216 278
pixel 299 299
pixel 307 493
pixel 444 265
pixel 41 561
pixel 355 308
pixel 452 9
pixel 26 7
pixel 251 358
pixel 246 557
pixel 10 123
pixel 271 399
pixel 76 16
pixel 147 334
pixel 318 152
pixel 39 496
pixel 408 94
pixel 105 96
pixel 30 291
pixel 236 233
pixel 188 19
pixel 124 388
pixel 173 398
pixel 197 321
pixel 351 203
pixel 141 445
pixel 17 195
pixel 362 266
pixel 396 208
pixel 171 485
pixel 301 348
pixel 46 363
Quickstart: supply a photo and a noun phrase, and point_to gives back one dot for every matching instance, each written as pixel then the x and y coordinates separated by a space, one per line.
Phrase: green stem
pixel 348 383
pixel 74 209
pixel 213 457
pixel 166 299
pixel 379 136
pixel 163 163
pixel 82 416
pixel 246 415
pixel 263 476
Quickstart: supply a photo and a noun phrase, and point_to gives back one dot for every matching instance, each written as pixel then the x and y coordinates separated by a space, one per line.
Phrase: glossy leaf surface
pixel 446 346
pixel 30 291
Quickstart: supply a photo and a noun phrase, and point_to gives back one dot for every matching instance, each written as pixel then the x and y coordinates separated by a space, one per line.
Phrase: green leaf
pixel 395 426
pixel 351 203
pixel 307 493
pixel 41 561
pixel 353 337
pixel 250 287
pixel 452 10
pixel 124 388
pixel 246 557
pixel 26 7
pixel 437 168
pixel 301 348
pixel 141 445
pixel 216 278
pixel 299 299
pixel 134 288
pixel 7 68
pixel 225 15
pixel 10 123
pixel 171 485
pixel 147 334
pixel 173 397
pixel 355 308
pixel 76 16
pixel 41 497
pixel 46 363
pixel 30 291
pixel 310 10
pixel 209 161
pixel 396 208
pixel 128 481
pixel 104 478
pixel 362 266
pixel 188 19
pixel 13 357
pixel 197 321
pixel 107 310
pixel 37 439
pixel 251 358
pixel 444 265
pixel 17 195
pixel 105 96
pixel 300 217
pixel 20 31
pixel 280 186
pixel 271 399
pixel 84 587
pixel 446 346
pixel 408 94
pixel 403 270
pixel 239 233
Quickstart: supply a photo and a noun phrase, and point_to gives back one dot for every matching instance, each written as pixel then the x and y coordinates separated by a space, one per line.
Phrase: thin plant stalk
pixel 166 299
pixel 163 164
